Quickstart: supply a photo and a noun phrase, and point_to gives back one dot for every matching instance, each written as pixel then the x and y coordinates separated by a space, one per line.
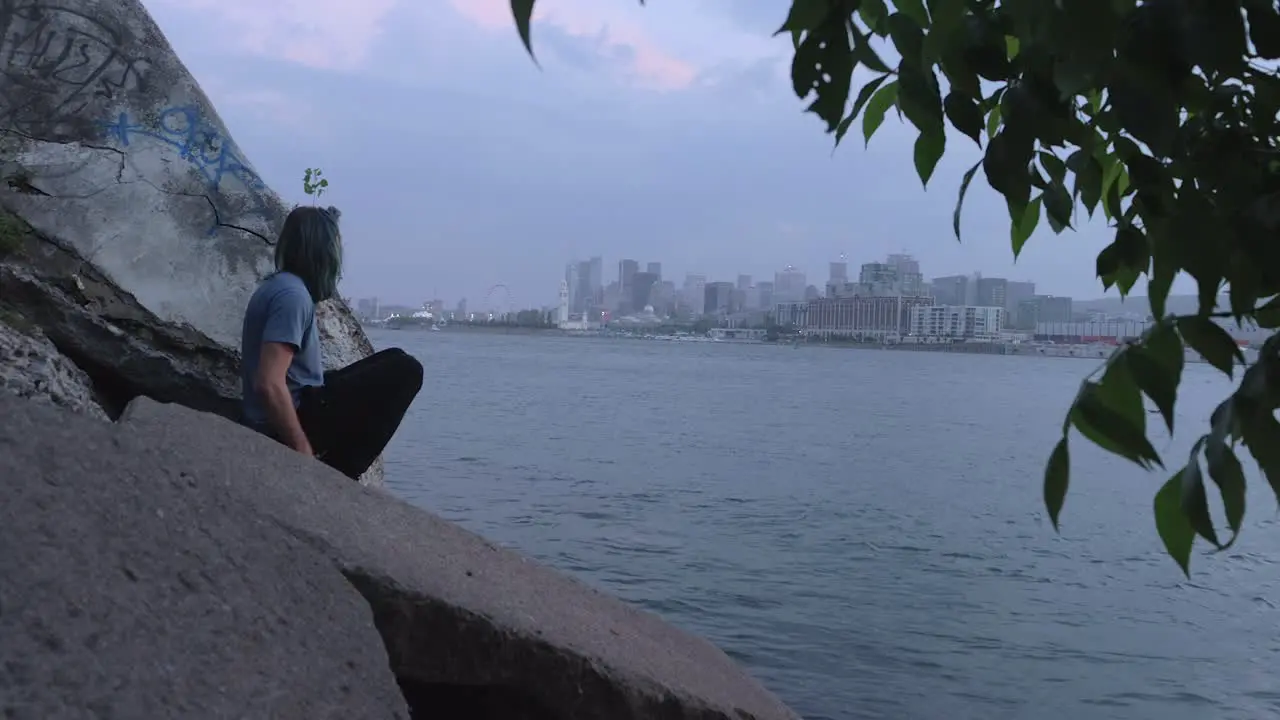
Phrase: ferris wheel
pixel 498 301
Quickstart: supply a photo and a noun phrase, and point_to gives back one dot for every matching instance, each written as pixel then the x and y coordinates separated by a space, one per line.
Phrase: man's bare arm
pixel 273 389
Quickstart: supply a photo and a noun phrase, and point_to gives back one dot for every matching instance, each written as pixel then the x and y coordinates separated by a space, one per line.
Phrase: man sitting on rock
pixel 344 417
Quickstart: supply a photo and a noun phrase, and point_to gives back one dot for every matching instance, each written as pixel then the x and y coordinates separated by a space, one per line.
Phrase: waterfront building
pixel 562 310
pixel 884 317
pixel 957 322
pixel 1043 309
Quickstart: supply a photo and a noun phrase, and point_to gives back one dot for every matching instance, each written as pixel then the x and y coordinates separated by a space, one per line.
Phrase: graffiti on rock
pixel 212 154
pixel 62 66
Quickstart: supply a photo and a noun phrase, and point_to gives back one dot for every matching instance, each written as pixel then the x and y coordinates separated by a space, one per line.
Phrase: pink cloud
pixel 647 62
pixel 325 34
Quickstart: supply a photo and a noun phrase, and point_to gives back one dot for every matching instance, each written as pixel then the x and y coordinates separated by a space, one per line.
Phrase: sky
pixel 666 133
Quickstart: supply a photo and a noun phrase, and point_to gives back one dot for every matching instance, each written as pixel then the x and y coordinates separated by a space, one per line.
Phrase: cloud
pixel 612 32
pixel 676 46
pixel 322 34
pixel 286 113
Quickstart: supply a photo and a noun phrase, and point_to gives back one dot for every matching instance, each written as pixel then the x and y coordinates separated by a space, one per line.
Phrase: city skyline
pixel 610 274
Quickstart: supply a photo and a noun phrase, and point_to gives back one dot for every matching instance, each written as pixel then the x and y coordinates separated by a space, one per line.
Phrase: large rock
pixel 31 367
pixel 455 611
pixel 130 194
pixel 133 586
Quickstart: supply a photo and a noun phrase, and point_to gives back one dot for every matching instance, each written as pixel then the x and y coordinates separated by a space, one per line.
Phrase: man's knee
pixel 411 370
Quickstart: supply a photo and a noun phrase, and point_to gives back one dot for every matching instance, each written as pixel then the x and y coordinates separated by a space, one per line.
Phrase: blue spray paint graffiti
pixel 213 154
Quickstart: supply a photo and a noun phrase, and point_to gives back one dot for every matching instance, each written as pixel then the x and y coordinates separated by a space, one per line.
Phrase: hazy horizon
pixel 667 133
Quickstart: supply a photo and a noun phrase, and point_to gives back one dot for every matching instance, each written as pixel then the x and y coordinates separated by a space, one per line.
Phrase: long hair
pixel 310 246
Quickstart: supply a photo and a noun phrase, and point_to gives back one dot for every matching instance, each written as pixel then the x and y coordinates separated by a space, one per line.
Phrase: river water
pixel 861 529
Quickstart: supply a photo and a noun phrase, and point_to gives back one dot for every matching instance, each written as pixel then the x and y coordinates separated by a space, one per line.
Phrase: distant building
pixel 837 272
pixel 910 280
pixel 367 309
pixel 642 284
pixel 789 285
pixel 562 309
pixel 627 270
pixel 949 290
pixel 571 281
pixel 957 322
pixel 718 298
pixel 992 292
pixel 1016 293
pixel 764 290
pixel 869 318
pixel 1043 309
pixel 693 294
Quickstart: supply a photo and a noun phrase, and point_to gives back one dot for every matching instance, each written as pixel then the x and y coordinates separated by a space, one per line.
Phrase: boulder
pixel 133 586
pixel 128 207
pixel 472 630
pixel 31 367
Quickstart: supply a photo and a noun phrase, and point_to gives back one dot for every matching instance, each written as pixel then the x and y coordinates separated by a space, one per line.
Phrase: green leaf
pixel 908 38
pixel 1212 341
pixel 1156 365
pixel 875 14
pixel 803 16
pixel 880 102
pixel 1172 525
pixel 863 96
pixel 1267 316
pixel 929 149
pixel 1023 226
pixel 1195 502
pixel 1005 165
pixel 964 115
pixel 964 188
pixel 1126 256
pixel 1088 180
pixel 1057 474
pixel 1163 271
pixel 1228 475
pixel 865 54
pixel 1053 166
pixel 1057 207
pixel 993 122
pixel 823 66
pixel 919 97
pixel 522 10
pixel 1145 106
pixel 913 9
pixel 1262 436
pixel 1102 414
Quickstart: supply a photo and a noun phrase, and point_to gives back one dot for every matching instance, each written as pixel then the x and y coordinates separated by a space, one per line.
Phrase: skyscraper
pixel 788 285
pixel 654 268
pixel 838 272
pixel 694 293
pixel 572 285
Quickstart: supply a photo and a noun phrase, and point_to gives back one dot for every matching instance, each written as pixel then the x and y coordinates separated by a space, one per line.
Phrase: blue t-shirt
pixel 281 310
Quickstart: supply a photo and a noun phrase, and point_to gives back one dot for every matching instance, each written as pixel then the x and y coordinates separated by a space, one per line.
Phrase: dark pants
pixel 352 417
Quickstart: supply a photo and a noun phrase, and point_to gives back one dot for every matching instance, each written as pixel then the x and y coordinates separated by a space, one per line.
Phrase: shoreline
pixel 1078 351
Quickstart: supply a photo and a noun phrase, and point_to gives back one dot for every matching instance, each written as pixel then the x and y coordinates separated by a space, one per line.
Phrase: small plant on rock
pixel 314 184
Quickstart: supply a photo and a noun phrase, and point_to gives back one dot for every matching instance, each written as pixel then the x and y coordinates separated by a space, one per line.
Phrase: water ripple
pixel 862 530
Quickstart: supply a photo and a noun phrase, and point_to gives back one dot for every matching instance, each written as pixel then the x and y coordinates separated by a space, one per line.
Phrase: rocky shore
pixel 158 560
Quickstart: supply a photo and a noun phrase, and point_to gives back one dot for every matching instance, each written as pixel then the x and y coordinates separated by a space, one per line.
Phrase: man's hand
pixel 304 447
pixel 272 387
